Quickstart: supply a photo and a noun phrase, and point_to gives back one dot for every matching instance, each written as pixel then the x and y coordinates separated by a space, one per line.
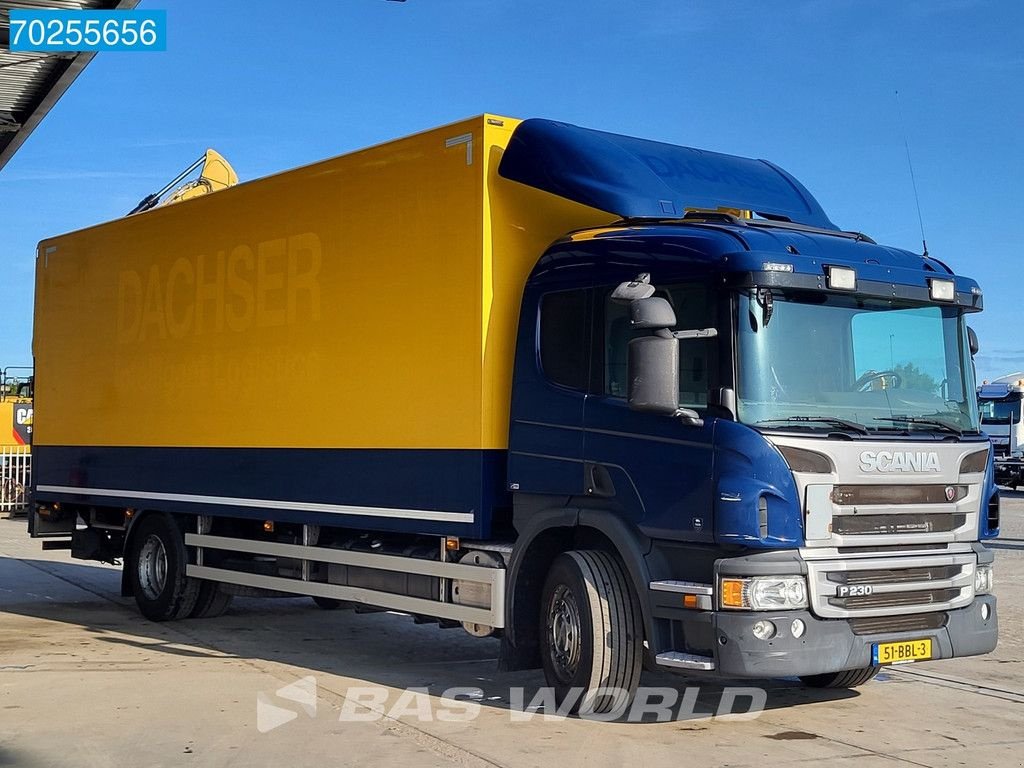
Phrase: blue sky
pixel 808 85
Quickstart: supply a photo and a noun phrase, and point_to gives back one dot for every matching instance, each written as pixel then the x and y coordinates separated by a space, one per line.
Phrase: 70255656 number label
pixel 73 31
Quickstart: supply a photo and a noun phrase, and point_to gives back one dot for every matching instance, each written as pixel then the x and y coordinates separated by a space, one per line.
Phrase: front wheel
pixel 592 641
pixel 849 678
pixel 156 563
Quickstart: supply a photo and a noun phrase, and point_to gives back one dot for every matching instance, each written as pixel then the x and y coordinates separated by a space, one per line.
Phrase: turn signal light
pixel 732 593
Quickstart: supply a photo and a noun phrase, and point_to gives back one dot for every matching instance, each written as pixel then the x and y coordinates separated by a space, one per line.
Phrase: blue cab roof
pixel 639 180
pixel 748 249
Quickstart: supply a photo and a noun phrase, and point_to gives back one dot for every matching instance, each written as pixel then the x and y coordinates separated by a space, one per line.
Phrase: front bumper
pixel 730 648
pixel 830 645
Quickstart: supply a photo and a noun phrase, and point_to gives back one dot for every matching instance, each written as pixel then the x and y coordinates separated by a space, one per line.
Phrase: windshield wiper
pixel 945 426
pixel 850 426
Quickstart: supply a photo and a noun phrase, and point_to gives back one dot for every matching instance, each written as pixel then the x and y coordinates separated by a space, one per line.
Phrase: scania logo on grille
pixel 950 493
pixel 899 461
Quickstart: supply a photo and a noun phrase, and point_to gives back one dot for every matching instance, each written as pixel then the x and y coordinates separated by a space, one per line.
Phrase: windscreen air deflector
pixel 638 178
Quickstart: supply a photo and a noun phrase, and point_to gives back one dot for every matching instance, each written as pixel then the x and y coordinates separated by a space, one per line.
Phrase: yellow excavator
pixel 216 174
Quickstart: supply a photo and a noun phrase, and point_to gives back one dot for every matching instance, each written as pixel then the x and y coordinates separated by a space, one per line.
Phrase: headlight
pixel 764 593
pixel 983 580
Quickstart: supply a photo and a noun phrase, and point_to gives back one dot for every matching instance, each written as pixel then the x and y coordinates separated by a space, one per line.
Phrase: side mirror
pixel 652 312
pixel 654 375
pixel 972 341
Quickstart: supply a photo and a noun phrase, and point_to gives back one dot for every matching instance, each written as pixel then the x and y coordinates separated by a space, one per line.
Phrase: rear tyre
pixel 592 637
pixel 210 602
pixel 157 563
pixel 849 678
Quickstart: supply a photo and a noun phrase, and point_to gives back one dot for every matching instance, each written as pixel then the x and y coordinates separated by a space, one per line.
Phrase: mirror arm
pixel 690 417
pixel 700 333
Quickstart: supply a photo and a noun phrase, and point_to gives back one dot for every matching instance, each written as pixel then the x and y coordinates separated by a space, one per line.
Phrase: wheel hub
pixel 565 636
pixel 152 567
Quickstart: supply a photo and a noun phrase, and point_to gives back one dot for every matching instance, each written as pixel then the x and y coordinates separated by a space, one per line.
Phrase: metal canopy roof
pixel 31 83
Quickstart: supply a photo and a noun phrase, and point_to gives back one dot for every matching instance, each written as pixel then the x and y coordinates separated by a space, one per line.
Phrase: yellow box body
pixel 366 301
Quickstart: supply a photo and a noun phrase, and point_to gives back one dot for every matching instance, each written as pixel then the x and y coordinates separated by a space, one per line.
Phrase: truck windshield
pixel 811 361
pixel 1000 411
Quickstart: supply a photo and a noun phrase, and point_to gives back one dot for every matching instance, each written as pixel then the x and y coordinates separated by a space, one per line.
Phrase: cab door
pixel 552 372
pixel 656 470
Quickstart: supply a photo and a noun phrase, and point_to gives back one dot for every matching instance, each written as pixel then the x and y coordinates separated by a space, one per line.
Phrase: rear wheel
pixel 211 601
pixel 592 638
pixel 849 678
pixel 157 563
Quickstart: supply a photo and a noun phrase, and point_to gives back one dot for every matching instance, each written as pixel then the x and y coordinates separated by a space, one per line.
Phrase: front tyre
pixel 157 563
pixel 592 638
pixel 849 678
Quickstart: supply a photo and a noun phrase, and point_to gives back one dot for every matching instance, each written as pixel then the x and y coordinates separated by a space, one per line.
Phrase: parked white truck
pixel 999 402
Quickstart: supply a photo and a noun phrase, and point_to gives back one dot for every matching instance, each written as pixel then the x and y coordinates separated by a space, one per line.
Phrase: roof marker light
pixel 842 278
pixel 941 290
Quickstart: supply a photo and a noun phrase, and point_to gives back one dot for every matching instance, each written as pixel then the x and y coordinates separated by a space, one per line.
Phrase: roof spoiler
pixel 637 178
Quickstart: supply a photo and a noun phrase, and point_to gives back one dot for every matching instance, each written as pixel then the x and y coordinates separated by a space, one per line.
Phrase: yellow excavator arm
pixel 217 174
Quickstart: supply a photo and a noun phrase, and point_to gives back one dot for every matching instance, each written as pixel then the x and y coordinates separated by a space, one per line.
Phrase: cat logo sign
pixel 22 427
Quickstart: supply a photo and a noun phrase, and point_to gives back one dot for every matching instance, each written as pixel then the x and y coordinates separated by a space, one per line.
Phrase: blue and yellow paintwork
pixel 361 334
pixel 364 307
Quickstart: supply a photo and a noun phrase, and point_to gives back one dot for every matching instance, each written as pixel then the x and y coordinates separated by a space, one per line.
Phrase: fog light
pixel 797 628
pixel 763 630
pixel 985 611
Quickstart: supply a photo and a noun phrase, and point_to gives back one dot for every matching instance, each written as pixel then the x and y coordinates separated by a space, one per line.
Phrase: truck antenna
pixel 913 181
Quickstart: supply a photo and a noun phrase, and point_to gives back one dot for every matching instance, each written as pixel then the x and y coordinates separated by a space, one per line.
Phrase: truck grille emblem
pixel 899 461
pixel 950 493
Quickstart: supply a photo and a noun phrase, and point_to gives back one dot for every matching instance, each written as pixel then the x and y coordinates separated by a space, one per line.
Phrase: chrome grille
pixel 896 599
pixel 885 515
pixel 895 575
pixel 859 525
pixel 903 584
pixel 849 495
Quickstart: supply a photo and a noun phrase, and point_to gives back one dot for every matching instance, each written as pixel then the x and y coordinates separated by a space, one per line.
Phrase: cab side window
pixel 564 342
pixel 695 307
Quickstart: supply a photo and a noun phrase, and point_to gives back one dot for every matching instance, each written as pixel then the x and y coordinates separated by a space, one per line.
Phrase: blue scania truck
pixel 619 402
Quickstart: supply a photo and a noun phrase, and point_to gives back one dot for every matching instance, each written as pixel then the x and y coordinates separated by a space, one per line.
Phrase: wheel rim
pixel 564 632
pixel 152 567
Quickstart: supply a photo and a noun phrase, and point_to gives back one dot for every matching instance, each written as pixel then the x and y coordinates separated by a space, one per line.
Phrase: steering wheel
pixel 862 384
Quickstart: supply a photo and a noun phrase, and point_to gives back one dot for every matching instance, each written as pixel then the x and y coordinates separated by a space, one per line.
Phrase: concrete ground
pixel 84 681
